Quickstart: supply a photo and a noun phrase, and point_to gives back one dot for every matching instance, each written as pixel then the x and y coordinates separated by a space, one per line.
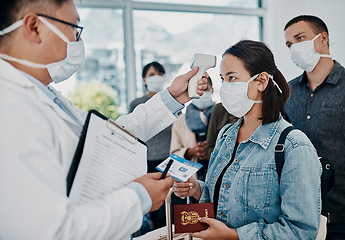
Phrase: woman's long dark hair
pixel 258 58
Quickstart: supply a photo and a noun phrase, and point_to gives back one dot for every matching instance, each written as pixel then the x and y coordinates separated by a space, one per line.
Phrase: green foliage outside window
pixel 95 95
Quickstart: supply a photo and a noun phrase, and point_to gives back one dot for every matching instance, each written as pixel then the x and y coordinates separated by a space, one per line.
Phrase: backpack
pixel 327 179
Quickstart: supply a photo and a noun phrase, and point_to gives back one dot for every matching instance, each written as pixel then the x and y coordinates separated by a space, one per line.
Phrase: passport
pixel 186 217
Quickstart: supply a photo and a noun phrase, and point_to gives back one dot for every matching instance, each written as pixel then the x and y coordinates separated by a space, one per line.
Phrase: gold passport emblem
pixel 191 217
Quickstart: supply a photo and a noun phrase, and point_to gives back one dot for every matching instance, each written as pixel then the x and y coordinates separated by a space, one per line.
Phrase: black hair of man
pixel 154 64
pixel 13 10
pixel 316 23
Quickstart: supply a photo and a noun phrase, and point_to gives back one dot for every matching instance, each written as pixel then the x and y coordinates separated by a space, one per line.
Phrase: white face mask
pixel 304 56
pixel 155 83
pixel 58 71
pixel 234 97
pixel 204 101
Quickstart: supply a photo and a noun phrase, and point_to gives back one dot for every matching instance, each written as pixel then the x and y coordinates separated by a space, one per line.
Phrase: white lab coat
pixel 37 144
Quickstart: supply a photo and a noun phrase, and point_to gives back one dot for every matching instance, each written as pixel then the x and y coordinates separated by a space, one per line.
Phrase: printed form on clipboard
pixel 107 158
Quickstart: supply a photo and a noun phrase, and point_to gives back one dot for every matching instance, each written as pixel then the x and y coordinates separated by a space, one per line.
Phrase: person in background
pixel 317 104
pixel 188 139
pixel 219 118
pixel 159 145
pixel 40 43
pixel 242 182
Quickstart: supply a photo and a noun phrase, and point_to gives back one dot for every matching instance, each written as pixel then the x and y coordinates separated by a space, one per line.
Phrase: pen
pixel 167 169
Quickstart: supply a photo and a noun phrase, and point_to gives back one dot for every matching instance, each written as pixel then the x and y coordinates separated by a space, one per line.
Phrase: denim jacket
pixel 251 199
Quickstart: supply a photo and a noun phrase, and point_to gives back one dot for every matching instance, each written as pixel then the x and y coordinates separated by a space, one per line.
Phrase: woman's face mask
pixel 234 97
pixel 304 56
pixel 58 71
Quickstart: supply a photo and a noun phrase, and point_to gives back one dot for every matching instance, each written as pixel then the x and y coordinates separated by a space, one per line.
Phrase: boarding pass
pixel 181 169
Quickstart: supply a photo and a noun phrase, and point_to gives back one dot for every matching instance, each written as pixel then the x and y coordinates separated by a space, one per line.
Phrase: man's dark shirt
pixel 321 115
pixel 158 146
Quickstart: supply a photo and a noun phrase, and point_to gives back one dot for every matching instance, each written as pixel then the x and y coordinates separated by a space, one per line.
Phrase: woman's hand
pixel 188 189
pixel 216 231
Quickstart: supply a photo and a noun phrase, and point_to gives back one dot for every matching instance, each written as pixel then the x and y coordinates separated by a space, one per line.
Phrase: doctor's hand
pixel 216 231
pixel 188 189
pixel 179 87
pixel 157 189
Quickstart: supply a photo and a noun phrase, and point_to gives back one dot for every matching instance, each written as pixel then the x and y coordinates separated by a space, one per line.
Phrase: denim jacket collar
pixel 263 135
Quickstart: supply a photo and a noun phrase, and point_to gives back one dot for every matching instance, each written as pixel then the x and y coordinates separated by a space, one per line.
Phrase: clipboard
pixel 114 129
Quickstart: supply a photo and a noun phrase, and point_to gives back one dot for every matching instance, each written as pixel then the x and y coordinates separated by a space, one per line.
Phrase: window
pixel 122 36
pixel 173 37
pixel 230 3
pixel 104 50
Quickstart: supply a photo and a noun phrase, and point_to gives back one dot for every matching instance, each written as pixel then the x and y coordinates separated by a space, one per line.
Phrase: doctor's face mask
pixel 58 71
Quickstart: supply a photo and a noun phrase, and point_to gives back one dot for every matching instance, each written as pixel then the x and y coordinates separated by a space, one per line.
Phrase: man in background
pixel 317 104
pixel 158 146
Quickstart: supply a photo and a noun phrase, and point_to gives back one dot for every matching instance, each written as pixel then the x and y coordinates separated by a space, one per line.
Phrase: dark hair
pixel 316 23
pixel 154 64
pixel 12 10
pixel 258 58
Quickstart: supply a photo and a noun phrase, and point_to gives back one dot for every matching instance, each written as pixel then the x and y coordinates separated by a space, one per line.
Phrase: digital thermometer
pixel 204 62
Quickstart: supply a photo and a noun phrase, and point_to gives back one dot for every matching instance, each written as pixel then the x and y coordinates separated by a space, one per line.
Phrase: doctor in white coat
pixel 39 131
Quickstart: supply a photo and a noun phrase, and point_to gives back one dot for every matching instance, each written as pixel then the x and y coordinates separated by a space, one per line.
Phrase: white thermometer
pixel 204 62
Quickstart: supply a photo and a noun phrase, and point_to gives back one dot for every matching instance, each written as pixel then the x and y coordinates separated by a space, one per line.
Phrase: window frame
pixel 128 6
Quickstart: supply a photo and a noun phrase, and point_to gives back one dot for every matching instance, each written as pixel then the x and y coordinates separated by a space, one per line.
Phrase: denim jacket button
pixel 226 186
pixel 308 117
pixel 222 214
pixel 236 160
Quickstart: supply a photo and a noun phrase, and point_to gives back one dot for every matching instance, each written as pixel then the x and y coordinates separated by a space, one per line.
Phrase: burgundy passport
pixel 186 217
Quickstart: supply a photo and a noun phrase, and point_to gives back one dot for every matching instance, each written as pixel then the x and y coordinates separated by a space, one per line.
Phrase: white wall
pixel 279 12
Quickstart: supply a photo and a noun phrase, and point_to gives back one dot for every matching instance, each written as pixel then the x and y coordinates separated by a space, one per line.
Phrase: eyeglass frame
pixel 64 22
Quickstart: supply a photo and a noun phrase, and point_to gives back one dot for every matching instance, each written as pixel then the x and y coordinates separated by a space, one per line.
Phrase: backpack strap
pixel 279 150
pixel 327 183
pixel 327 177
pixel 226 129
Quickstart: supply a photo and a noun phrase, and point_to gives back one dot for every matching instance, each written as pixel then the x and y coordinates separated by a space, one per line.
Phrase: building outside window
pixel 122 36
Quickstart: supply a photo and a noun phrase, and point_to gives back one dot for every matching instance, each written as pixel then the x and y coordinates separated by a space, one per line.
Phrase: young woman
pixel 242 181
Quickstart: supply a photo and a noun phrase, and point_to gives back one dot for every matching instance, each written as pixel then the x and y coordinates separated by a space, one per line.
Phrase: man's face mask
pixel 58 71
pixel 155 83
pixel 304 56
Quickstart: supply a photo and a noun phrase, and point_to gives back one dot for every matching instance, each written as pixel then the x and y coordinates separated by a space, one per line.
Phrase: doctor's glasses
pixel 78 28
